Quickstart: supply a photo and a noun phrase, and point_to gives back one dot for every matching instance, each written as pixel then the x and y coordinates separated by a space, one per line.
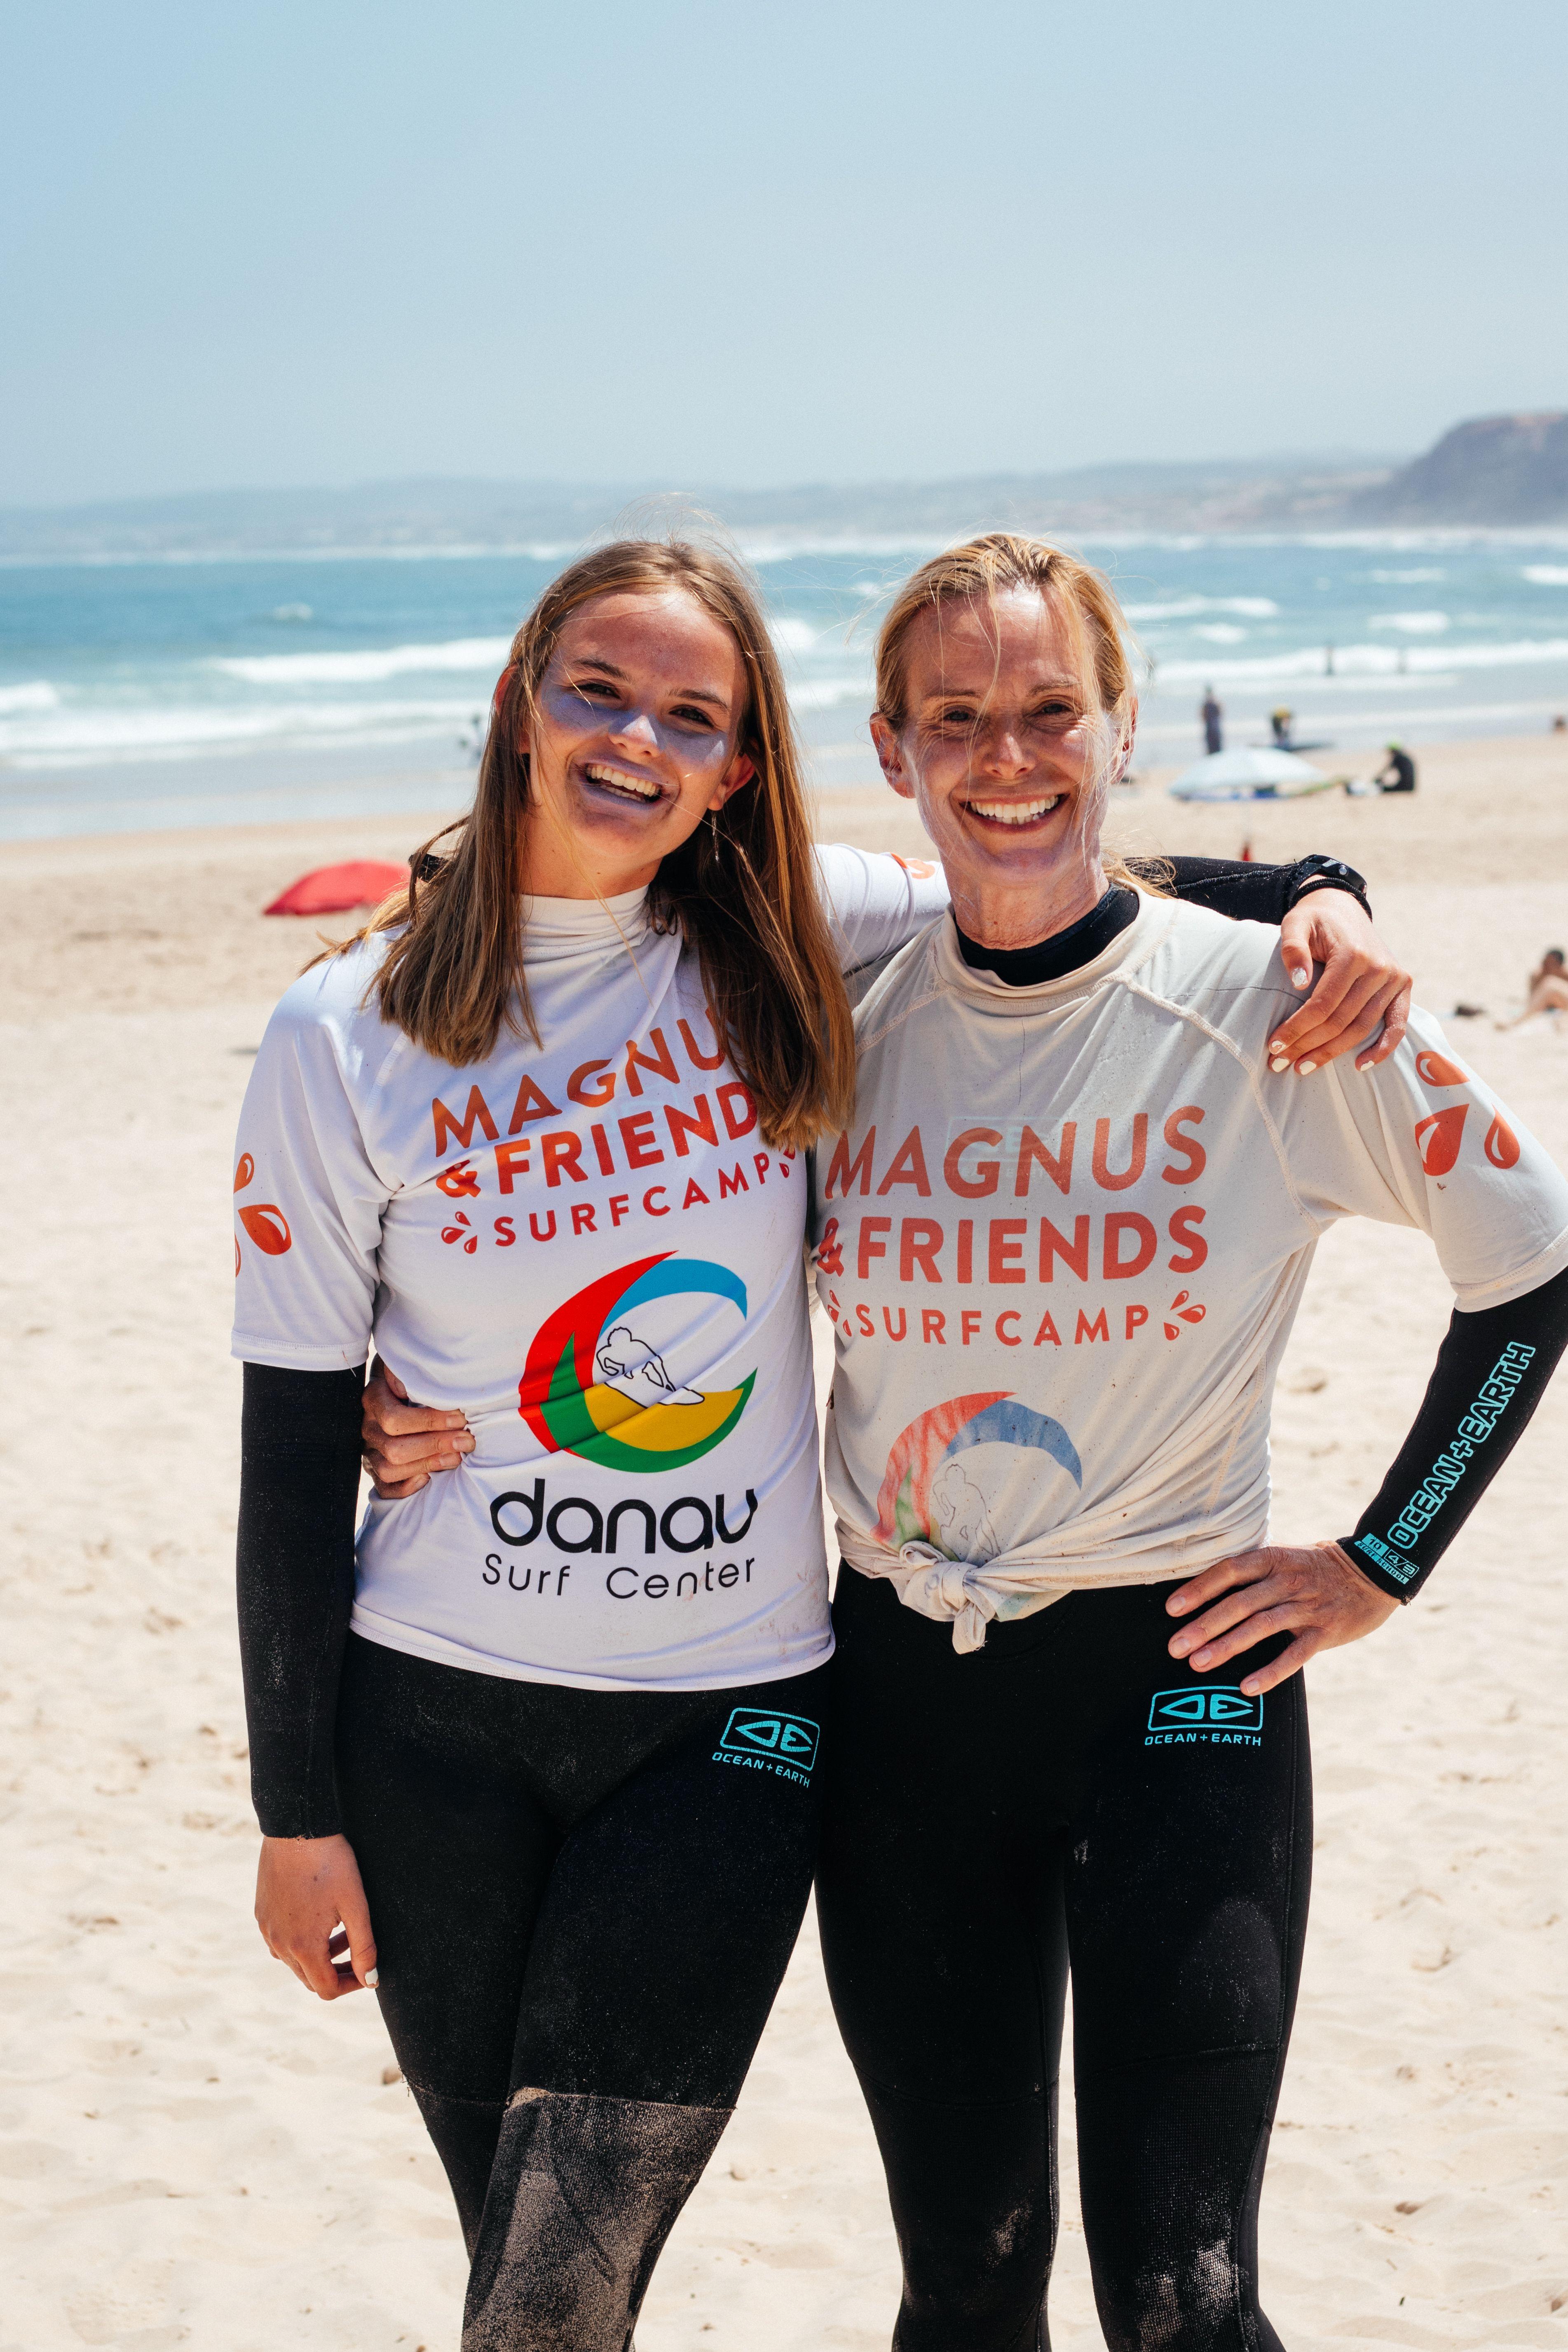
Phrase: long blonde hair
pixel 742 888
pixel 1098 634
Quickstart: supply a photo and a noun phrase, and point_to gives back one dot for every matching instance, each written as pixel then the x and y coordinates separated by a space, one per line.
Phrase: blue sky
pixel 701 243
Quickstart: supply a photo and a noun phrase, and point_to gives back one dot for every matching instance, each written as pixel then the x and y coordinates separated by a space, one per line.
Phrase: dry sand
pixel 196 2152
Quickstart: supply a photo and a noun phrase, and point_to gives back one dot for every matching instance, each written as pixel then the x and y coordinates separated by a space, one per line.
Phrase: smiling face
pixel 1002 749
pixel 633 742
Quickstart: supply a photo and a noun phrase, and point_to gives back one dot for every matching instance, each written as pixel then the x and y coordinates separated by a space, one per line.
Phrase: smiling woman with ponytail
pixel 539 1755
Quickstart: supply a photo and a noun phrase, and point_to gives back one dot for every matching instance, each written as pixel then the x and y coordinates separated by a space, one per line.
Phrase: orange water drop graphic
pixel 243 1172
pixel 1501 1144
pixel 1437 1138
pixel 268 1227
pixel 1438 1071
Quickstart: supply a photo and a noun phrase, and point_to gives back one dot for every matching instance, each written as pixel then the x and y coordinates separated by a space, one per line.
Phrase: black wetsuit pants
pixel 1070 1796
pixel 583 1902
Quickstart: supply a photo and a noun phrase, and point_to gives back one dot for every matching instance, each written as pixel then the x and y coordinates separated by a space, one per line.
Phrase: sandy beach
pixel 194 2152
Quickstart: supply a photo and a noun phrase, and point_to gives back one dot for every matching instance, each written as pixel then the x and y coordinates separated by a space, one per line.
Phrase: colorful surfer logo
pixel 597 1385
pixel 939 1472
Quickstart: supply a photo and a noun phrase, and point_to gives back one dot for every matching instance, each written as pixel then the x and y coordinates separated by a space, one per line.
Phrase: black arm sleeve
pixel 1248 892
pixel 1492 1371
pixel 299 1488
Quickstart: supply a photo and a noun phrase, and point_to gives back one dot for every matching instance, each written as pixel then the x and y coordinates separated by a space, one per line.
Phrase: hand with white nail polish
pixel 1363 995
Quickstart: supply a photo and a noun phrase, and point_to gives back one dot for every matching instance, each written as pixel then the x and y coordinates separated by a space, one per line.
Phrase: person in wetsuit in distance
pixel 1397 773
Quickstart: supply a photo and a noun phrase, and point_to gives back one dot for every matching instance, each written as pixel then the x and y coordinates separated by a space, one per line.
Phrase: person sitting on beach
pixel 1062 1243
pixel 1397 773
pixel 1546 991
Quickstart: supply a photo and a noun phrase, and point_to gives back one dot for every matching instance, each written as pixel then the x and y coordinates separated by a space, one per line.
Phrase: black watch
pixel 1328 874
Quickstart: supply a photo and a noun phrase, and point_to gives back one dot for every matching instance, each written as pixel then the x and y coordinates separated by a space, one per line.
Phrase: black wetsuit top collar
pixel 1065 951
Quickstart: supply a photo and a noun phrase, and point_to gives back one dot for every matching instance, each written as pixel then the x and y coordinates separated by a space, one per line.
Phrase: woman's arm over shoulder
pixel 1249 891
pixel 876 900
pixel 1361 1000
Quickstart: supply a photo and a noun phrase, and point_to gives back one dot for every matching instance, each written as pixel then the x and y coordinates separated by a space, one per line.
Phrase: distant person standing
pixel 1397 773
pixel 1280 721
pixel 1213 717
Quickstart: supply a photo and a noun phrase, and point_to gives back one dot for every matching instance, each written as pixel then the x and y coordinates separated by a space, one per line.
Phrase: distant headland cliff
pixel 1498 470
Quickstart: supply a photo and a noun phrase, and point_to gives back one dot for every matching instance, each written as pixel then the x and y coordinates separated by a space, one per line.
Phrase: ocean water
pixel 141 694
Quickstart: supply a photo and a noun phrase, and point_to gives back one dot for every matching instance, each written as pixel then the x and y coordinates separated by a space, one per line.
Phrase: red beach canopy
pixel 333 889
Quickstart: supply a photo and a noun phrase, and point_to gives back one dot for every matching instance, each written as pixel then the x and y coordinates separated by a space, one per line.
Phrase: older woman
pixel 1062 1243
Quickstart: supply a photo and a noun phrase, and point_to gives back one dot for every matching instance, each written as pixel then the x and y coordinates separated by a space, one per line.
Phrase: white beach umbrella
pixel 1249 775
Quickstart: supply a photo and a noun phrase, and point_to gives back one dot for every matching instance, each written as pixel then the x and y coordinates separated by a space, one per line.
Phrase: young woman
pixel 1062 1242
pixel 541 1757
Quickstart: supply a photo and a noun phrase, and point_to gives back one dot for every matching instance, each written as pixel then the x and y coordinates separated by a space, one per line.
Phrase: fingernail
pixel 1277 1066
pixel 1307 1068
pixel 372 1977
pixel 1299 978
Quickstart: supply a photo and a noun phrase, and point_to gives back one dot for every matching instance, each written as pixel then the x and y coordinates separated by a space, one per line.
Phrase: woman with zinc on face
pixel 538 1753
pixel 1062 1242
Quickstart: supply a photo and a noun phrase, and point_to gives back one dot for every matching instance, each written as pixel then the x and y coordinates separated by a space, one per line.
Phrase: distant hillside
pixel 1284 494
pixel 1497 470
pixel 1493 471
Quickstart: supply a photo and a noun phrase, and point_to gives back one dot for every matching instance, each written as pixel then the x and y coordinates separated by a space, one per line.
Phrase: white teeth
pixel 643 788
pixel 1014 812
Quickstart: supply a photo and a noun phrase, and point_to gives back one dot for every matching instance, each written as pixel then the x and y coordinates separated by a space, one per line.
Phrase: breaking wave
pixel 365 668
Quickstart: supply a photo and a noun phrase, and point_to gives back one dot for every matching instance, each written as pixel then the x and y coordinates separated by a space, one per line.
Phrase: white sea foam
pixel 1406 579
pixel 39 695
pixel 792 635
pixel 365 668
pixel 1414 624
pixel 1221 633
pixel 1184 608
pixel 823 693
pixel 1366 661
pixel 1546 575
pixel 81 737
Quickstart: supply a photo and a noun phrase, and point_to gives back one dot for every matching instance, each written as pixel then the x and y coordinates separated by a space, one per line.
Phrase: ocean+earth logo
pixel 1218 1711
pixel 762 1732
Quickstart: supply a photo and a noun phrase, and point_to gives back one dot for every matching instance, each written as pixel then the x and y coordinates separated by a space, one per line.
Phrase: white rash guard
pixel 1065 1240
pixel 588 1248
